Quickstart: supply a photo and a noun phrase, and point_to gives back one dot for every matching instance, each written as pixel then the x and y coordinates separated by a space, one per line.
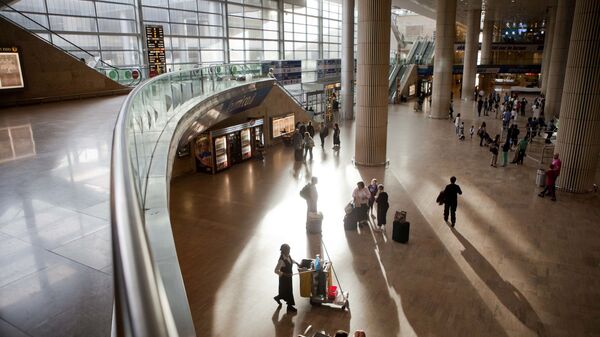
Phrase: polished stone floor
pixel 516 264
pixel 55 244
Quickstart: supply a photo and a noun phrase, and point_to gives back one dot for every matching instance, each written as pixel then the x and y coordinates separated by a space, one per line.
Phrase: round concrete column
pixel 578 139
pixel 485 80
pixel 471 48
pixel 347 94
pixel 548 37
pixel 373 66
pixel 444 57
pixel 558 59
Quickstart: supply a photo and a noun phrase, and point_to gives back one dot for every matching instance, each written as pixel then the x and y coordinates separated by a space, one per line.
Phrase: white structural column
pixel 347 94
pixel 471 48
pixel 445 27
pixel 486 49
pixel 558 59
pixel 548 38
pixel 578 140
pixel 372 81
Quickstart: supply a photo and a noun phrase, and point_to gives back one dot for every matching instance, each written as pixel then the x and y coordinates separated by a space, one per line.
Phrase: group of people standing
pixel 303 138
pixel 364 198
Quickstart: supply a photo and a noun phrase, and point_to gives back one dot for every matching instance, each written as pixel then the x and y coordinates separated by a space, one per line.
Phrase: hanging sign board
pixel 155 42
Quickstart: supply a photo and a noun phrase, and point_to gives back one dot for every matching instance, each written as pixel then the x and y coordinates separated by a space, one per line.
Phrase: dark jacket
pixel 451 193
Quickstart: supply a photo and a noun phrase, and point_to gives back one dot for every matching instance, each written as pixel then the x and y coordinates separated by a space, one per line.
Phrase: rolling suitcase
pixel 400 231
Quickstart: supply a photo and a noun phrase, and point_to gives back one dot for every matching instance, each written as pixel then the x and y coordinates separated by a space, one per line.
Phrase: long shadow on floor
pixel 510 296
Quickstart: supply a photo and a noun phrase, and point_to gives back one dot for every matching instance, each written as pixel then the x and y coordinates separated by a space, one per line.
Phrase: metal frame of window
pixel 326 12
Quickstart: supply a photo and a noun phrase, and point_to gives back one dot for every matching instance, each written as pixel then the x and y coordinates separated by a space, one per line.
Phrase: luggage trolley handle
pixel 333 270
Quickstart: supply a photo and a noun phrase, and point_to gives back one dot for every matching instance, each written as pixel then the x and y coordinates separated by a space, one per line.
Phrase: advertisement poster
pixel 329 70
pixel 11 75
pixel 286 72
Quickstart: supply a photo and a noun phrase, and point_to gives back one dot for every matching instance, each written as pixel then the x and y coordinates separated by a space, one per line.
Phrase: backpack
pixel 305 192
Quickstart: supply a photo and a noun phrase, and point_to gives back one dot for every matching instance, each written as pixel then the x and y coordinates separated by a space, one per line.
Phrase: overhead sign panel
pixel 155 42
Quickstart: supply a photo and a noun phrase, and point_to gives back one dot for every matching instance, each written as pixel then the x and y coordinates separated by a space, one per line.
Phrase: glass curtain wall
pixel 196 31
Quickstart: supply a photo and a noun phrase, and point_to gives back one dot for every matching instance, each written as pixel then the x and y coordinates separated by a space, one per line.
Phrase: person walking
pixel 557 164
pixel 482 133
pixel 494 145
pixel 373 189
pixel 309 143
pixel 472 131
pixel 457 122
pixel 284 270
pixel 505 149
pixel 479 106
pixel 298 143
pixel 310 194
pixel 382 207
pixel 521 148
pixel 323 133
pixel 310 129
pixel 550 188
pixel 360 197
pixel 336 136
pixel 451 193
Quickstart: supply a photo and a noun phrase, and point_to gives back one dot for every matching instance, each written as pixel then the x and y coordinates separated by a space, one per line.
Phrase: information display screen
pixel 11 74
pixel 155 41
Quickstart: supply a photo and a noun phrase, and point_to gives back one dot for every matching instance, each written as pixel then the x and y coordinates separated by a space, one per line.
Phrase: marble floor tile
pixel 93 250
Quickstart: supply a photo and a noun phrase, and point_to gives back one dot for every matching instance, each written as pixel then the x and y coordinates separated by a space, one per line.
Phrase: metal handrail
pixel 139 296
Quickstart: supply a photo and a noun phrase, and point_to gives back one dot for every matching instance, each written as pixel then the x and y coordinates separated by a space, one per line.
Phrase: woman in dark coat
pixel 336 136
pixel 382 207
pixel 284 270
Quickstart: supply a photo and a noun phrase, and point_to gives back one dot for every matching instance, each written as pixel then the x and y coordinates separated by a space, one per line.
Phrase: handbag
pixel 400 216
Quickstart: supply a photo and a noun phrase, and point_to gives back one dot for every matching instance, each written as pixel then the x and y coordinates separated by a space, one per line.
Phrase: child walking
pixel 472 130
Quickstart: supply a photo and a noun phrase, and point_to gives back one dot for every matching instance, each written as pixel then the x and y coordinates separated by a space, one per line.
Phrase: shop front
pixel 217 150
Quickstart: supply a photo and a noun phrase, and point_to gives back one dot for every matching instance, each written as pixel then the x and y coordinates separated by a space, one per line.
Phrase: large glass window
pixel 253 28
pixel 196 31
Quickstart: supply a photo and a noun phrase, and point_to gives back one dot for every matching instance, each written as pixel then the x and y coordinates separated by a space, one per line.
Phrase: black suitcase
pixel 400 231
pixel 350 221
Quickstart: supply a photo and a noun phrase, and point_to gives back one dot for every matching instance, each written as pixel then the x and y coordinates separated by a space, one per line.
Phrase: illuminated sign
pixel 155 42
pixel 11 74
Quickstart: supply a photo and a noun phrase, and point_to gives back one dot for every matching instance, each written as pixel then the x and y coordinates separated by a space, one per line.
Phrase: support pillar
pixel 471 48
pixel 558 59
pixel 347 94
pixel 548 39
pixel 485 80
pixel 374 18
pixel 578 140
pixel 445 27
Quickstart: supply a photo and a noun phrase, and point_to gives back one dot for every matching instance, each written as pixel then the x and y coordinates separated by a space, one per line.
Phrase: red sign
pixel 135 74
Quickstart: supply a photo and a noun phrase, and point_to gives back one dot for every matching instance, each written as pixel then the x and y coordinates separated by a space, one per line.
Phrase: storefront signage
pixel 528 47
pixel 286 72
pixel 244 102
pixel 487 69
pixel 11 74
pixel 329 70
pixel 155 42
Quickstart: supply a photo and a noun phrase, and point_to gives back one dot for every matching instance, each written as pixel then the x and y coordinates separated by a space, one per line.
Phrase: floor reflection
pixel 16 142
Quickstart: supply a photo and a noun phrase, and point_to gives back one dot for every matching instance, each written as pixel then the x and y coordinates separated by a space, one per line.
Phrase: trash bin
pixel 540 178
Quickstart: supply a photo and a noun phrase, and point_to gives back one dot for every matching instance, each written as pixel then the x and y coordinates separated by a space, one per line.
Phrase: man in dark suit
pixel 451 193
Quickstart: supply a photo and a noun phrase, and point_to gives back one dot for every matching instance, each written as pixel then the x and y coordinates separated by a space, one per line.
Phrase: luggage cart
pixel 319 290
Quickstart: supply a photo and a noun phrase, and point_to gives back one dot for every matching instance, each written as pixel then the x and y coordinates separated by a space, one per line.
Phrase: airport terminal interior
pixel 161 160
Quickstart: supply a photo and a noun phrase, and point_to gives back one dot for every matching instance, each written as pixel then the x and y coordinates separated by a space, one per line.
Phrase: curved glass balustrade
pixel 150 298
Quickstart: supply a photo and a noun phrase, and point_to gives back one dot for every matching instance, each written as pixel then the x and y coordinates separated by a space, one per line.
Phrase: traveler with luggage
pixel 382 207
pixel 360 197
pixel 550 188
pixel 310 194
pixel 451 193
pixel 521 149
pixel 482 133
pixel 285 272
